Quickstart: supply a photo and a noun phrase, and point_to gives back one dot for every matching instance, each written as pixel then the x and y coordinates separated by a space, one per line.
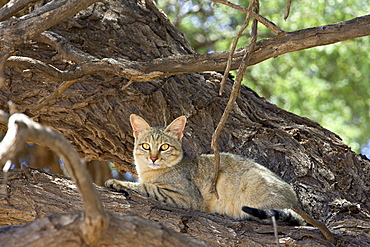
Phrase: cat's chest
pixel 150 176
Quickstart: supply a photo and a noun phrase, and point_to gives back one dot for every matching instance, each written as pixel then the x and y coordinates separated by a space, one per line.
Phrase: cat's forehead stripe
pixel 156 134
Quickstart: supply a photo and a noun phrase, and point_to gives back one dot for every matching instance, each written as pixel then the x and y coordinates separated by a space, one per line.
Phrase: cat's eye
pixel 145 146
pixel 164 147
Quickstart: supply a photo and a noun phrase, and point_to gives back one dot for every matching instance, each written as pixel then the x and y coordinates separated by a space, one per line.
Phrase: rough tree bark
pixel 92 112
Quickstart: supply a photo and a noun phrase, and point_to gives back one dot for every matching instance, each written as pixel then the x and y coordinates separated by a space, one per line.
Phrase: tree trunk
pixel 93 113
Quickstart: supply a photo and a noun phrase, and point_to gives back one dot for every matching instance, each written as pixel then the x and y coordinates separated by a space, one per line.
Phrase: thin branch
pixel 233 96
pixel 221 124
pixel 270 25
pixel 127 85
pixel 22 129
pixel 161 67
pixel 287 9
pixel 233 47
pixel 114 66
pixel 59 91
pixel 321 226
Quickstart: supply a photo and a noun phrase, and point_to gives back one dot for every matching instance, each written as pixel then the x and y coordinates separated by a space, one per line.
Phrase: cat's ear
pixel 177 126
pixel 138 124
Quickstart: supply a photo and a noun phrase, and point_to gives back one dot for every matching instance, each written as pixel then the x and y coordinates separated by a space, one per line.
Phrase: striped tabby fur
pixel 164 174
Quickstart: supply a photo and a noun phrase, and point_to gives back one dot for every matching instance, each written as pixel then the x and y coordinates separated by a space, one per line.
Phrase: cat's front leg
pixel 120 185
pixel 166 193
pixel 145 189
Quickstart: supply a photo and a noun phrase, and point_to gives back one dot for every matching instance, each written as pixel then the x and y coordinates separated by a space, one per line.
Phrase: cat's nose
pixel 153 159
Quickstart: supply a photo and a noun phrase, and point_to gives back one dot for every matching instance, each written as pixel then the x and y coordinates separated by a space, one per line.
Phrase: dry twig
pixel 321 226
pixel 59 91
pixel 233 47
pixel 287 10
pixel 270 25
pixel 250 13
pixel 233 96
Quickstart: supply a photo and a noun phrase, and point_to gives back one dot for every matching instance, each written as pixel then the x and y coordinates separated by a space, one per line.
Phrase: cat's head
pixel 157 147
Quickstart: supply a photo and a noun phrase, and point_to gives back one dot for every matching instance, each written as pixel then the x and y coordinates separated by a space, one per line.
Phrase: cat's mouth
pixel 153 165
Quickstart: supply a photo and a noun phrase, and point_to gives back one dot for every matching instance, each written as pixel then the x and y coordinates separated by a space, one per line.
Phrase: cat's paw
pixel 114 184
pixel 117 186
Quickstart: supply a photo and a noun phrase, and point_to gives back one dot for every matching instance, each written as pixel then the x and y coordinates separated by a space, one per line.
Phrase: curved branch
pixel 287 9
pixel 321 226
pixel 157 68
pixel 267 48
pixel 15 31
pixel 233 47
pixel 114 66
pixel 254 5
pixel 21 129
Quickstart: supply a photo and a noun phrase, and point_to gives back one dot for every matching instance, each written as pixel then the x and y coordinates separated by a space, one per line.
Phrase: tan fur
pixel 186 183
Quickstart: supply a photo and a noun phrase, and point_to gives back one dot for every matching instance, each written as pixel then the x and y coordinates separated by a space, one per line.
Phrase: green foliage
pixel 328 84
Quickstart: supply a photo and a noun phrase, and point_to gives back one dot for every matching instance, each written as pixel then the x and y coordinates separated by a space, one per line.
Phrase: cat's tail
pixel 282 216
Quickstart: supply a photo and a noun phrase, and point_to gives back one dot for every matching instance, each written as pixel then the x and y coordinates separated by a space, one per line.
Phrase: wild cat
pixel 245 188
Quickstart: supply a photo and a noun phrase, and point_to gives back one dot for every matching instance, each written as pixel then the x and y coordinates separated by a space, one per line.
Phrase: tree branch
pixel 270 25
pixel 254 5
pixel 287 9
pixel 161 67
pixel 40 20
pixel 234 44
pixel 21 129
pixel 321 226
pixel 15 31
pixel 13 7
